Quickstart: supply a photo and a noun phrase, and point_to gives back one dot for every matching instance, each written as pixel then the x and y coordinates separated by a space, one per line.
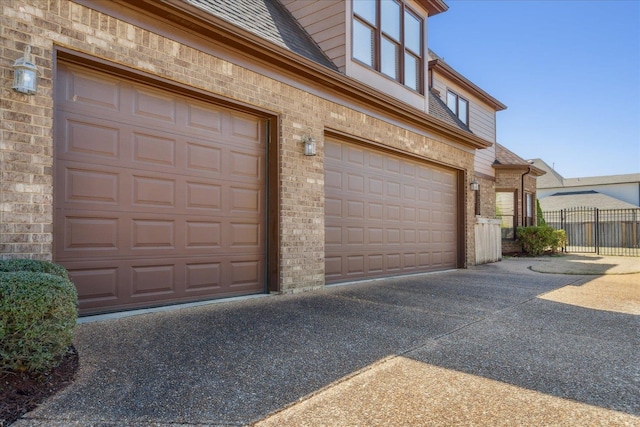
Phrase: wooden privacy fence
pixel 600 231
pixel 488 240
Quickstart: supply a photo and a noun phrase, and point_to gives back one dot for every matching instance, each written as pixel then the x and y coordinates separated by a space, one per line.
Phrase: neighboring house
pixel 516 189
pixel 599 213
pixel 162 158
pixel 604 192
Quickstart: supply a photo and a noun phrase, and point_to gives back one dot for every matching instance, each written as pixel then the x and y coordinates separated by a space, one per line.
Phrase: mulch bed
pixel 21 392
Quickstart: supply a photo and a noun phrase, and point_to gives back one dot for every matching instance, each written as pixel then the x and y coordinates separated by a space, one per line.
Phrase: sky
pixel 568 71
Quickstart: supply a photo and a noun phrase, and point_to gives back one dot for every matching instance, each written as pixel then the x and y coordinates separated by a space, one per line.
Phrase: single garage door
pixel 386 214
pixel 159 198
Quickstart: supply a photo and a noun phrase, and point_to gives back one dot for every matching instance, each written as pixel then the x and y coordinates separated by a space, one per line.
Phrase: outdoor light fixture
pixel 474 185
pixel 25 74
pixel 309 145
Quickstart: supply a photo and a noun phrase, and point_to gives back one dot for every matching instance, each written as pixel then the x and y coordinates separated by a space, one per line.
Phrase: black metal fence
pixel 600 231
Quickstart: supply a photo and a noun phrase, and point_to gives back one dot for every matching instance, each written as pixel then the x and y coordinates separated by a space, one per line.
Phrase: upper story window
pixel 459 106
pixel 387 36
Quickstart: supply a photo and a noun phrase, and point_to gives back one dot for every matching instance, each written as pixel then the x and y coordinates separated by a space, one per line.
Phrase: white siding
pixel 325 21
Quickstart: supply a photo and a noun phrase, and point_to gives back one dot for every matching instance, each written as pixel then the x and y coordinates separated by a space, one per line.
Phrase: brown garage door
pixel 386 214
pixel 158 198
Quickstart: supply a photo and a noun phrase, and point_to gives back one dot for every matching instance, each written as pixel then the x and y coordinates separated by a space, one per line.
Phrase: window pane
pixel 362 43
pixel 412 39
pixel 389 59
pixel 411 71
pixel 366 9
pixel 505 211
pixel 390 14
pixel 451 101
pixel 463 107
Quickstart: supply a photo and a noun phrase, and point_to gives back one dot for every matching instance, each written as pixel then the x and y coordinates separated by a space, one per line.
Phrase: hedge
pixel 37 266
pixel 536 240
pixel 38 313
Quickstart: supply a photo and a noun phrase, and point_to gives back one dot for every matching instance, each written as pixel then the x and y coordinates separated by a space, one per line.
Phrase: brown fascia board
pixel 445 69
pixel 219 31
pixel 434 6
pixel 532 169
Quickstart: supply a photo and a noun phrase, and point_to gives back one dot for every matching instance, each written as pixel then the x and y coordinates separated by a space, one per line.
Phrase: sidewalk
pixel 490 345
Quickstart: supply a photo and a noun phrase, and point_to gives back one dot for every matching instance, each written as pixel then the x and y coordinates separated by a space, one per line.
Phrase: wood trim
pixel 485 176
pixel 273 205
pixel 461 220
pixel 434 6
pixel 446 71
pixel 170 16
pixel 534 170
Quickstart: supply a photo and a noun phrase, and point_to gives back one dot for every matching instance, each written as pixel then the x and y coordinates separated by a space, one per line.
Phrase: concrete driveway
pixel 497 344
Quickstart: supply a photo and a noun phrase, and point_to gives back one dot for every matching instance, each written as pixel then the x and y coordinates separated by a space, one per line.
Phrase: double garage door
pixel 159 198
pixel 386 214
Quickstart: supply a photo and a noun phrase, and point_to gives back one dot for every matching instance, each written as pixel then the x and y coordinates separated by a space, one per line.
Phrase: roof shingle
pixel 270 20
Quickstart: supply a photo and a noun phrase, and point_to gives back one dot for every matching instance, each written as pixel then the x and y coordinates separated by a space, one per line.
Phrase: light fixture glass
pixel 309 145
pixel 25 74
pixel 474 185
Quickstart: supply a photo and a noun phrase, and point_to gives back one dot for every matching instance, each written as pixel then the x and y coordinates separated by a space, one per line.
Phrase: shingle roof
pixel 439 110
pixel 588 199
pixel 602 180
pixel 554 180
pixel 270 20
pixel 504 156
pixel 551 179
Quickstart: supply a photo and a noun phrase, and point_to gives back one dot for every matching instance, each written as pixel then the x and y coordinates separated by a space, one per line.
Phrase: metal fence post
pixel 597 234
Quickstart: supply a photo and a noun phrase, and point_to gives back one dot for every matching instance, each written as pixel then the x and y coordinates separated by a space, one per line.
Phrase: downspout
pixel 524 199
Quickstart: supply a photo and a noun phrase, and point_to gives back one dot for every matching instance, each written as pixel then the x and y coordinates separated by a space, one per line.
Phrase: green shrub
pixel 538 239
pixel 559 240
pixel 38 313
pixel 37 266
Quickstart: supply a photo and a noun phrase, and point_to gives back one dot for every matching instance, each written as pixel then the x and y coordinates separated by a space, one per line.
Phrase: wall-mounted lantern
pixel 474 185
pixel 309 145
pixel 25 74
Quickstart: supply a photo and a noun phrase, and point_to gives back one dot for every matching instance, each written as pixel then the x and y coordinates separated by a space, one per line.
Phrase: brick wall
pixel 512 180
pixel 26 138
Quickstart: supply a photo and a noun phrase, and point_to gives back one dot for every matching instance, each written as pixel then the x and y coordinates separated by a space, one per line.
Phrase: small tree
pixel 540 219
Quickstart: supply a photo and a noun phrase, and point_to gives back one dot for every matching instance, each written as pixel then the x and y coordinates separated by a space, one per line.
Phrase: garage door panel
pixel 153 105
pixel 203 235
pixel 84 234
pixel 90 186
pixel 203 118
pixel 100 187
pixel 98 286
pixel 76 87
pixel 153 192
pixel 84 138
pixel 154 149
pixel 88 234
pixel 390 216
pixel 203 196
pixel 158 198
pixel 200 157
pixel 246 129
pixel 154 280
